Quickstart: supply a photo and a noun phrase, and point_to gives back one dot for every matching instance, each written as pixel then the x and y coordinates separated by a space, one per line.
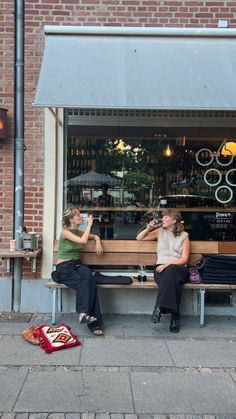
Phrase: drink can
pixel 12 245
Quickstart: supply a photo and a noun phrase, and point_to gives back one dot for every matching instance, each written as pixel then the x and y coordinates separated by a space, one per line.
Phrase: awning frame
pixel 138 68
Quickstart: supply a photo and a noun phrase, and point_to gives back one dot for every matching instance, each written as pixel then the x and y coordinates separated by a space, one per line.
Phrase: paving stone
pixel 161 417
pixel 15 318
pixel 88 416
pixel 8 416
pixel 56 416
pixel 38 415
pixel 42 368
pixel 102 369
pixel 215 393
pixel 131 416
pixel 30 355
pixel 116 416
pixel 102 416
pixel 22 416
pixel 193 417
pixel 75 392
pixel 145 416
pixel 73 416
pixel 11 381
pixel 226 416
pixel 110 352
pixel 73 368
pixel 203 355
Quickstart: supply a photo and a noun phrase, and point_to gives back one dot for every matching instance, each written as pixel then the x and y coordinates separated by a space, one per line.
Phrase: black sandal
pixel 156 315
pixel 86 319
pixel 97 331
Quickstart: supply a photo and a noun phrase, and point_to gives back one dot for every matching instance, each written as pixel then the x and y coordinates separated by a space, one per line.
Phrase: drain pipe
pixel 19 148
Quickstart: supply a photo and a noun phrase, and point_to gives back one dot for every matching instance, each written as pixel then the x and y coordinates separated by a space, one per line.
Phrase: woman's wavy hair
pixel 68 214
pixel 176 215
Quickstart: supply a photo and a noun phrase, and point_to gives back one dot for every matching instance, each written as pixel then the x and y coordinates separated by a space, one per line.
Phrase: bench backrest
pixel 135 253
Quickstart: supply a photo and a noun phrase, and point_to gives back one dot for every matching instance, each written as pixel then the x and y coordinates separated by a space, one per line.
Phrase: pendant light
pixel 168 151
pixel 229 149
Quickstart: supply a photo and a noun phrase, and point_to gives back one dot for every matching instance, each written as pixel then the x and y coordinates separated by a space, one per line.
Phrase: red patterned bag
pixel 53 338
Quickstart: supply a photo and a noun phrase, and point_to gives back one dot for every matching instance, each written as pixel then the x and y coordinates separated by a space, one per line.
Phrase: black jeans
pixel 79 277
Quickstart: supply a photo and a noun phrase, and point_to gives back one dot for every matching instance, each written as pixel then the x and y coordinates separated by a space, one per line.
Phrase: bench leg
pixel 54 305
pixel 7 264
pixel 34 265
pixel 202 306
pixel 59 300
pixel 195 302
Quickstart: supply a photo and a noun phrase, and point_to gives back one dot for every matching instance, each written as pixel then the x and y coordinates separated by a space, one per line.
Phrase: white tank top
pixel 169 247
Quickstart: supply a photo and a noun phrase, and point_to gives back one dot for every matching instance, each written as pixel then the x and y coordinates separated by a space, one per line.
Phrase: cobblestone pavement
pixel 126 374
pixel 106 416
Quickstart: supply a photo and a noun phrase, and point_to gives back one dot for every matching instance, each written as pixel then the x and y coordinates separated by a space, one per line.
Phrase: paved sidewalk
pixel 137 370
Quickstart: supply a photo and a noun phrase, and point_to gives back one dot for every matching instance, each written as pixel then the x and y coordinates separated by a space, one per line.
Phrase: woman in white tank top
pixel 170 271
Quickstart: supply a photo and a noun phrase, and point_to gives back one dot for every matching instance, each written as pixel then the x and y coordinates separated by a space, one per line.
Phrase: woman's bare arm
pixel 97 239
pixel 83 239
pixel 148 233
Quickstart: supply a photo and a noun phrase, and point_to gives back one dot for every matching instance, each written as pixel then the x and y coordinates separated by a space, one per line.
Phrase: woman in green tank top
pixel 71 272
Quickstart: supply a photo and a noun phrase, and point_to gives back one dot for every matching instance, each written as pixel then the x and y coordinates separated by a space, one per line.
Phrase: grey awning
pixel 139 70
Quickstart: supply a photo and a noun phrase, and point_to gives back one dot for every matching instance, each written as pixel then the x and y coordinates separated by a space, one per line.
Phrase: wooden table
pixel 7 256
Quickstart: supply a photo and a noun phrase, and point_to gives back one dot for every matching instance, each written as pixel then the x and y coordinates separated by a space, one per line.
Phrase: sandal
pixel 97 331
pixel 87 319
pixel 156 315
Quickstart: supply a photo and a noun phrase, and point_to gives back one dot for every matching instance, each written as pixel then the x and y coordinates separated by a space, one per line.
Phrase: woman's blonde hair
pixel 175 215
pixel 68 214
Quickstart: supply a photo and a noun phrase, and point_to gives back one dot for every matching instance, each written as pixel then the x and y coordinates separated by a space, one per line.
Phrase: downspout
pixel 19 148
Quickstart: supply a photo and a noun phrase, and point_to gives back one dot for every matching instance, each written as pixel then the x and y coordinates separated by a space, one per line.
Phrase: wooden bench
pixel 125 256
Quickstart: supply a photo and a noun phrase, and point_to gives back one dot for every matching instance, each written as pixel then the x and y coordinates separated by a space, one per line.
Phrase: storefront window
pixel 126 180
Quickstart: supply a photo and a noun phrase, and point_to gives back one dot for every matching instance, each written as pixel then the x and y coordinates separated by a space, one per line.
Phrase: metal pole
pixel 140 31
pixel 19 148
pixel 123 185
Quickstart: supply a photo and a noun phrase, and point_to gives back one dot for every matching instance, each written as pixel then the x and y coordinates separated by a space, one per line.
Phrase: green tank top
pixel 68 249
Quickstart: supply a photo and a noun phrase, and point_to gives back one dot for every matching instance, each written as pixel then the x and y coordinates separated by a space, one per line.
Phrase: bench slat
pixel 150 284
pixel 227 248
pixel 115 259
pixel 149 246
pixel 115 246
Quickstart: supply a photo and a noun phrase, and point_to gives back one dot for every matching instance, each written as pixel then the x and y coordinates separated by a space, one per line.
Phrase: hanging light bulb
pixel 229 149
pixel 3 124
pixel 168 151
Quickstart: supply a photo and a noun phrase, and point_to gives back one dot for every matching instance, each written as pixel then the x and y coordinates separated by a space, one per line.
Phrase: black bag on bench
pixel 113 280
pixel 219 269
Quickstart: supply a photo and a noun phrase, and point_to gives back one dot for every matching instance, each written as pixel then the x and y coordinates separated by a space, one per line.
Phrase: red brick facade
pixel 150 13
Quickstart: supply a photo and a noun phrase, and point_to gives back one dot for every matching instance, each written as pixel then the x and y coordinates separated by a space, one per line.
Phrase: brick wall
pixel 70 12
pixel 6 101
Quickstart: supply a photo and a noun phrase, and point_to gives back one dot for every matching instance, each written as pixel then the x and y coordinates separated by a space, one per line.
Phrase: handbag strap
pixel 198 264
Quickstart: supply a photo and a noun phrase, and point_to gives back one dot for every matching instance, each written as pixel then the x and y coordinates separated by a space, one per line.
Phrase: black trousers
pixel 170 282
pixel 79 277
